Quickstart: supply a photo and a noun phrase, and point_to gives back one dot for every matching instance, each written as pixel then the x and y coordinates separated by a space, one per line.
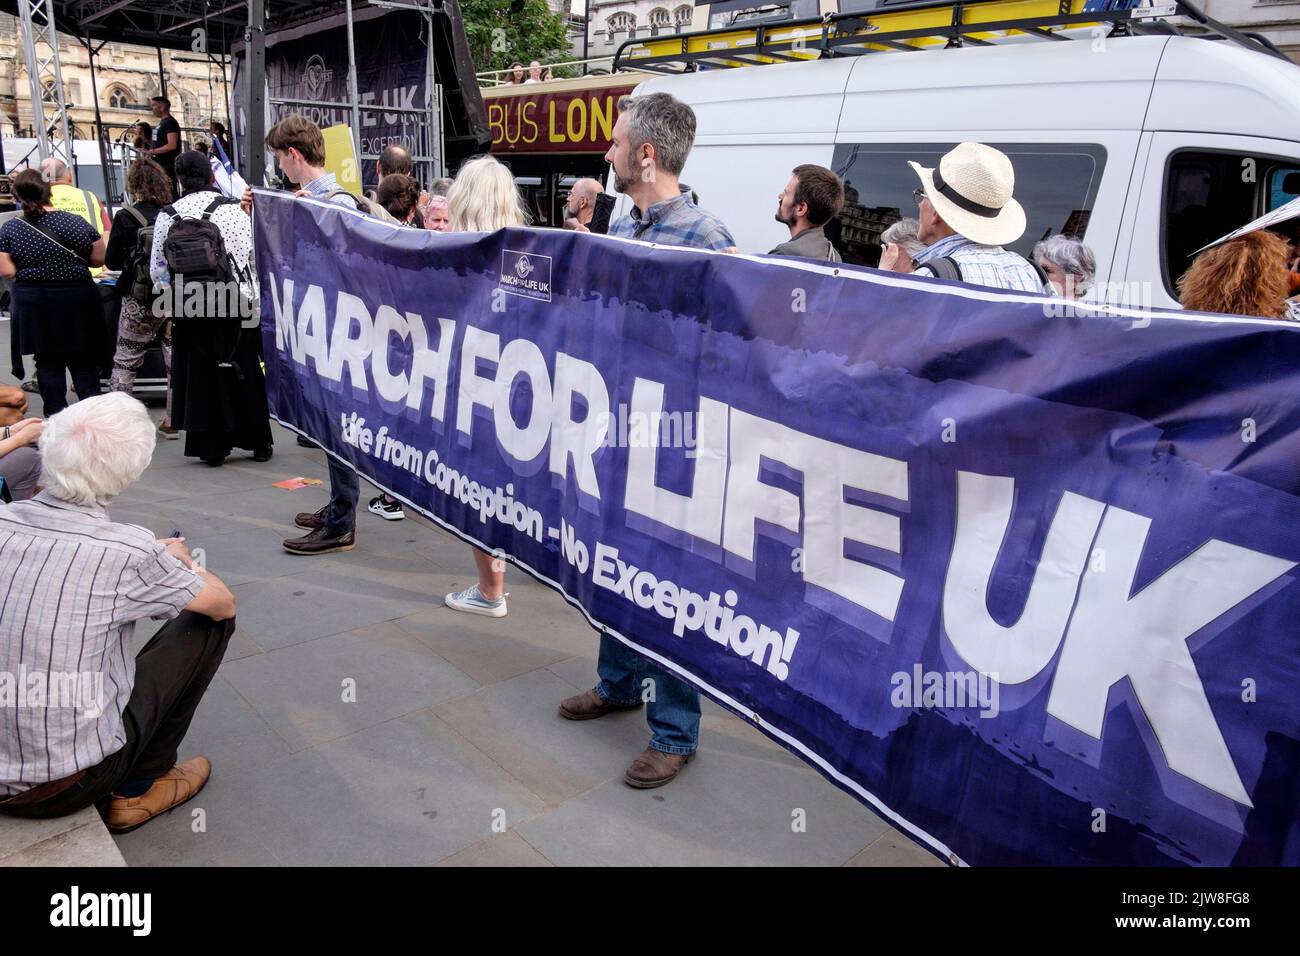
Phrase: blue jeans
pixel 345 491
pixel 673 714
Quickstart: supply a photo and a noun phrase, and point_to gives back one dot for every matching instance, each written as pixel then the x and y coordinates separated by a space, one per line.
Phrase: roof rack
pixel 906 27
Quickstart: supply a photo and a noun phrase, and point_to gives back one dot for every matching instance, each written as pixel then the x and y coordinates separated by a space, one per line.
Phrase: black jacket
pixel 121 239
pixel 600 215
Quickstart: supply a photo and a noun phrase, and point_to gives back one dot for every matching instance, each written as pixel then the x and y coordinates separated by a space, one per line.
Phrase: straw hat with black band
pixel 971 190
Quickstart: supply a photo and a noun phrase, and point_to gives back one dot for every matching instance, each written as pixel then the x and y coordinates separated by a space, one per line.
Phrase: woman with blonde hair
pixel 1244 276
pixel 483 198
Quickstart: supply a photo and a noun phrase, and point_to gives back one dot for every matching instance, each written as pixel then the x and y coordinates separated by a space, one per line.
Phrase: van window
pixel 1208 194
pixel 1056 183
pixel 1283 186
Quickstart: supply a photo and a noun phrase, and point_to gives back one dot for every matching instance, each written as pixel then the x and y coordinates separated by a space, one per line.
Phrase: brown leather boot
pixel 311 520
pixel 319 542
pixel 182 782
pixel 654 768
pixel 589 705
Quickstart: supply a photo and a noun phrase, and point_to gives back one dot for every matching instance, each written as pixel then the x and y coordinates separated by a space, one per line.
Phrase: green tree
pixel 501 32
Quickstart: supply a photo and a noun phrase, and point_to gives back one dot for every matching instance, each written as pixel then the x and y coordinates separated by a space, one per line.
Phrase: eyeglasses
pixel 918 194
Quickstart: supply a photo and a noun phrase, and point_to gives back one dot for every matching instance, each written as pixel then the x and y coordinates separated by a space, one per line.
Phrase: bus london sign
pixel 563 121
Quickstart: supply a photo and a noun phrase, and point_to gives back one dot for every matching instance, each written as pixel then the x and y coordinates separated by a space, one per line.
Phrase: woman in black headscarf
pixel 218 388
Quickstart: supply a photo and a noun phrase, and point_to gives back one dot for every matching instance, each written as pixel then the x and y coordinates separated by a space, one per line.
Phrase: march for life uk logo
pixel 526 274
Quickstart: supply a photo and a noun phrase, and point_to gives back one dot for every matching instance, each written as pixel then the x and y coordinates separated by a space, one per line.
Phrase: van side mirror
pixel 1291 183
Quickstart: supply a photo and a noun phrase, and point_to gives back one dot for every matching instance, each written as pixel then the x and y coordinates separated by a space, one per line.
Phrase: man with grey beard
pixel 651 140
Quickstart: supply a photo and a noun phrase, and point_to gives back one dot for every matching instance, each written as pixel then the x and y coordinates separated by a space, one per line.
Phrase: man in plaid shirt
pixel 967 214
pixel 648 152
pixel 651 140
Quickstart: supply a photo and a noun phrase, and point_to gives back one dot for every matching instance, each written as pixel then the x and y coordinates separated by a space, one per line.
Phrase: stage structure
pixel 448 124
pixel 43 72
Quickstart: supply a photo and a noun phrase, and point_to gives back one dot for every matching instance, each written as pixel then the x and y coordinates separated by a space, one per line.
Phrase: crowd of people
pixel 536 74
pixel 62 471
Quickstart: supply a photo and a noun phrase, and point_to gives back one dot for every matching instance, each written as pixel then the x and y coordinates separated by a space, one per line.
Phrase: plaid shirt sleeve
pixel 717 239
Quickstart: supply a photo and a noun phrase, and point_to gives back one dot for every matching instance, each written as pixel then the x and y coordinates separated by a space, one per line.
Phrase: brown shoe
pixel 654 768
pixel 317 542
pixel 589 705
pixel 182 782
pixel 311 520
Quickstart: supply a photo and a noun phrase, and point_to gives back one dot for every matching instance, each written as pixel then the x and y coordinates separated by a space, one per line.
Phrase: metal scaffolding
pixel 43 73
pixel 428 154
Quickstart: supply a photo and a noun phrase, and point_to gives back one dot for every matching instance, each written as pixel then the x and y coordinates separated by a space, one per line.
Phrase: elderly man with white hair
pixel 83 719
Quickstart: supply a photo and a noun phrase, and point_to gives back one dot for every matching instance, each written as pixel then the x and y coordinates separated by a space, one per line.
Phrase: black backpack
pixel 194 247
pixel 135 280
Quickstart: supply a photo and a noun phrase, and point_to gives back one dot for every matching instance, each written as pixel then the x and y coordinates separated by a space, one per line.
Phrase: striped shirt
pixel 72 586
pixel 675 222
pixel 989 266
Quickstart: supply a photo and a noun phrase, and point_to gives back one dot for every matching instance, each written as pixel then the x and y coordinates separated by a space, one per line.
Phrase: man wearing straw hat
pixel 967 216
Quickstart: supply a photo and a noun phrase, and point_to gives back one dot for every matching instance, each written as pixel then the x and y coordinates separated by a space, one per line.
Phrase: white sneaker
pixel 387 508
pixel 471 601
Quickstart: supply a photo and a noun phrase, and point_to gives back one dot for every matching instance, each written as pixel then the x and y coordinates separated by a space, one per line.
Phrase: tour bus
pixel 553 133
pixel 1146 146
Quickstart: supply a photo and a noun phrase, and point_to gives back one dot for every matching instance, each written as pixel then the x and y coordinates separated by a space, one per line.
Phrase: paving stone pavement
pixel 452 752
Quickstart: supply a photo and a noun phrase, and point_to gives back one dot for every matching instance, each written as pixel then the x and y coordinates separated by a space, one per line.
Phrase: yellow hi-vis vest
pixel 79 202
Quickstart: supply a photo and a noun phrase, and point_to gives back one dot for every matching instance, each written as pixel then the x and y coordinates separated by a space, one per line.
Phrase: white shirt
pixel 236 231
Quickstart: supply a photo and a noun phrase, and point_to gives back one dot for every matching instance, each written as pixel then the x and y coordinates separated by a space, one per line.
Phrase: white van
pixel 1148 147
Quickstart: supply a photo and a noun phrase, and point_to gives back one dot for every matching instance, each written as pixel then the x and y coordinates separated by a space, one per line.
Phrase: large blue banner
pixel 1018 576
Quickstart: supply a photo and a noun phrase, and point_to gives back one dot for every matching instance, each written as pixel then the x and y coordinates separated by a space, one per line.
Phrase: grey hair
pixel 54 169
pixel 93 450
pixel 1072 256
pixel 666 123
pixel 440 187
pixel 905 233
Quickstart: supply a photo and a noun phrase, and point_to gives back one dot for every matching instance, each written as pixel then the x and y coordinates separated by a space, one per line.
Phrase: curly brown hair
pixel 1245 276
pixel 147 182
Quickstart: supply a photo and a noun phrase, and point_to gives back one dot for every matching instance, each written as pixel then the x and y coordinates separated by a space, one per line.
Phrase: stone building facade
pixel 126 76
pixel 612 22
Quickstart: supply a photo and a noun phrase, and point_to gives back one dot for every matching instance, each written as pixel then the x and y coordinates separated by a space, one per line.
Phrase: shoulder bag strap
pixel 215 205
pixel 137 215
pixel 48 234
